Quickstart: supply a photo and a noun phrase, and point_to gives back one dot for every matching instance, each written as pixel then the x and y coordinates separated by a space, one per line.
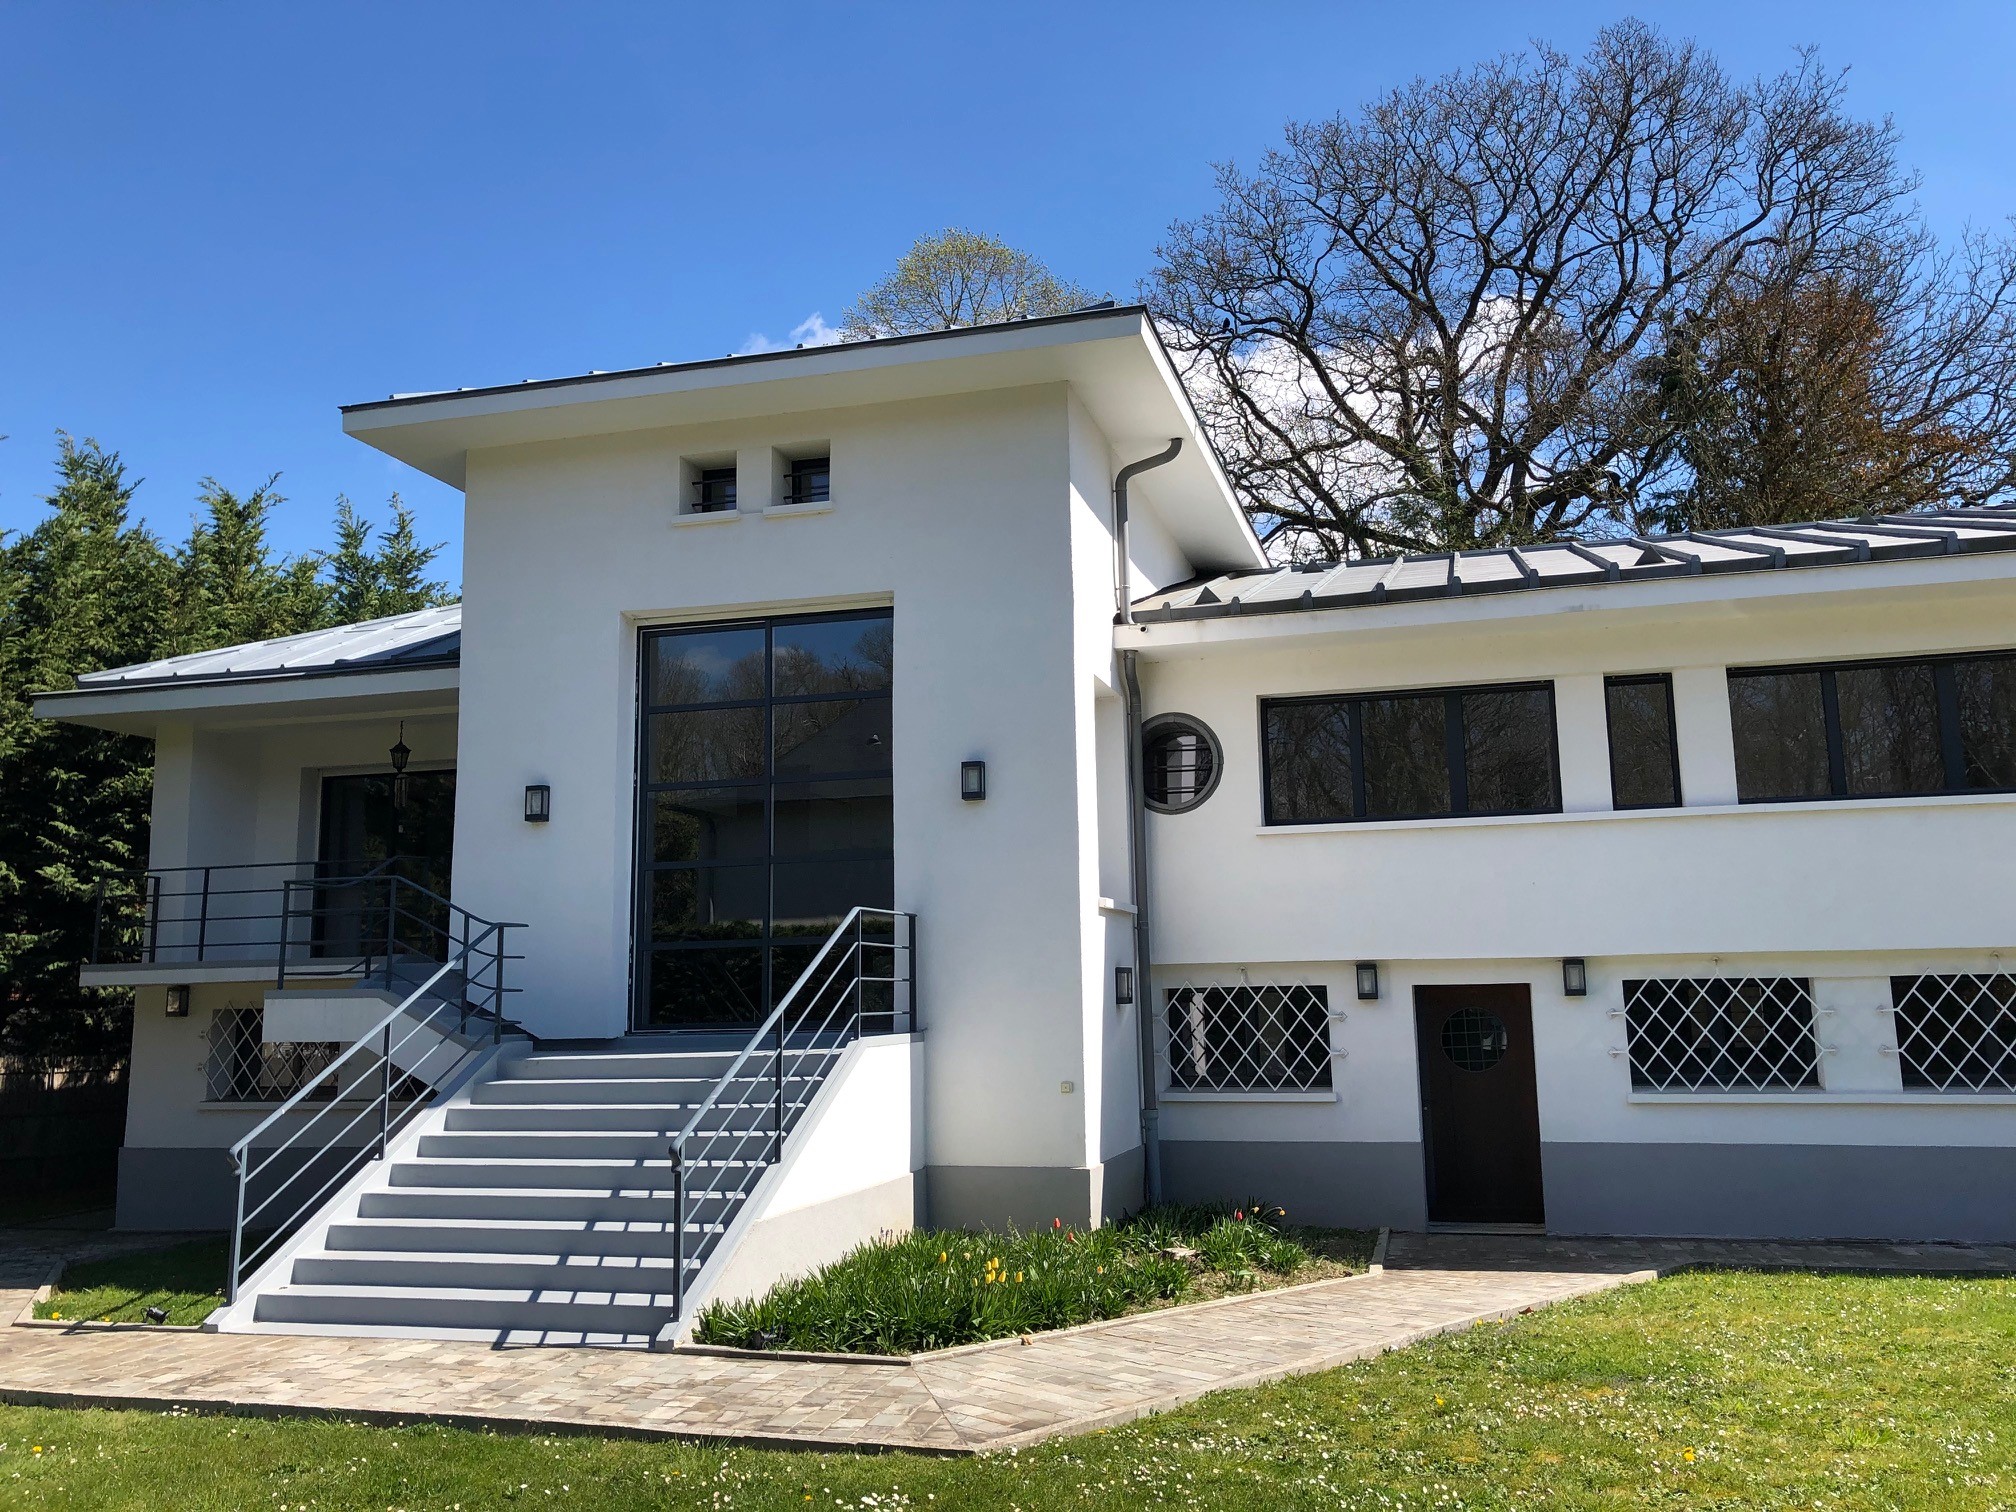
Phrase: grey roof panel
pixel 426 637
pixel 1558 564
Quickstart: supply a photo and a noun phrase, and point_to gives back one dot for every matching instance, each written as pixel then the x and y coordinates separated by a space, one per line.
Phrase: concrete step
pixel 597 1276
pixel 500 1236
pixel 547 1174
pixel 551 1204
pixel 751 1129
pixel 499 1309
pixel 643 1118
pixel 704 1064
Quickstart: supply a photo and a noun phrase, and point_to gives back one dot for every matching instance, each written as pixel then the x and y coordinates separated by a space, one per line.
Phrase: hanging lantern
pixel 400 754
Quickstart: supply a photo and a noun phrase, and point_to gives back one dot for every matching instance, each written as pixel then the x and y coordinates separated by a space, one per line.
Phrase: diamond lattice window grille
pixel 1957 1033
pixel 1266 1038
pixel 243 1066
pixel 1692 1034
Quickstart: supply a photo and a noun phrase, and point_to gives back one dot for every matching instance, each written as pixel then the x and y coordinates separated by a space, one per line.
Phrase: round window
pixel 1180 763
pixel 1474 1038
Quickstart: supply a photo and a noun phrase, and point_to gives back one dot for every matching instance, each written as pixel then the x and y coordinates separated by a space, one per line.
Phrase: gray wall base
pixel 1120 1183
pixel 1342 1184
pixel 1760 1191
pixel 992 1197
pixel 175 1189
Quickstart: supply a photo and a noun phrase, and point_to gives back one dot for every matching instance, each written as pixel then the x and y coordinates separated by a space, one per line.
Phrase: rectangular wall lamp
pixel 1123 984
pixel 538 803
pixel 1575 976
pixel 178 1002
pixel 972 780
pixel 1368 980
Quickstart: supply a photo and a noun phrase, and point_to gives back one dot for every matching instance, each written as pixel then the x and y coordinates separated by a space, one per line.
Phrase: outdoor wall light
pixel 178 1002
pixel 1123 984
pixel 1575 976
pixel 400 753
pixel 538 803
pixel 1368 980
pixel 972 780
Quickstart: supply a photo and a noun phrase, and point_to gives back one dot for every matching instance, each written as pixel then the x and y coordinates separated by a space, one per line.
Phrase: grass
pixel 940 1287
pixel 1718 1391
pixel 187 1280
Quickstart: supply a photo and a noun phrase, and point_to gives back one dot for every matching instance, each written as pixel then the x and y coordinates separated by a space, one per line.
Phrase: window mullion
pixel 1355 713
pixel 1452 746
pixel 1952 754
pixel 1830 717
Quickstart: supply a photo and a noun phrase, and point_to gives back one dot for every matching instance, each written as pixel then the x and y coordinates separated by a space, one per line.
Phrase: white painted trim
pixel 1828 1099
pixel 1171 1095
pixel 795 511
pixel 1648 815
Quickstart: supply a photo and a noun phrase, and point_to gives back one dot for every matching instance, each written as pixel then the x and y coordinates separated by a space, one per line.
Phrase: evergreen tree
pixel 232 589
pixel 83 590
pixel 366 584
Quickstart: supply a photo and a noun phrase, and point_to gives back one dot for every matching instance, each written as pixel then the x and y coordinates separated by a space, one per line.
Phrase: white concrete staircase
pixel 535 1206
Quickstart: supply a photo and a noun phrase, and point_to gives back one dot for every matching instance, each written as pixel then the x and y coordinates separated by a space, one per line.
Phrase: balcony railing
pixel 270 913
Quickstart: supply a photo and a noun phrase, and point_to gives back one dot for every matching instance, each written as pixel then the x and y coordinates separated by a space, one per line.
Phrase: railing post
pixel 678 1231
pixel 910 970
pixel 152 888
pixel 286 928
pixel 384 1089
pixel 391 923
pixel 860 964
pixel 497 1007
pixel 777 1140
pixel 98 920
pixel 237 1233
pixel 203 916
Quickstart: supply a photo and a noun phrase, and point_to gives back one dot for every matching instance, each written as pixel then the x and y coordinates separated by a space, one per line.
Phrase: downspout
pixel 1137 838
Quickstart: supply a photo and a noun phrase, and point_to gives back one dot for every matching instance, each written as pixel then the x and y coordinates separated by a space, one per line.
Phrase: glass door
pixel 763 807
pixel 368 820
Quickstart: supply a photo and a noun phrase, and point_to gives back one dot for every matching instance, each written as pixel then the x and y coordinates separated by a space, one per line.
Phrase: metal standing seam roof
pixel 424 638
pixel 1573 563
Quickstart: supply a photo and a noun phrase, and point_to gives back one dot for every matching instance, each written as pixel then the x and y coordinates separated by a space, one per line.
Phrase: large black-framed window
pixel 1875 729
pixel 1414 755
pixel 1644 756
pixel 763 806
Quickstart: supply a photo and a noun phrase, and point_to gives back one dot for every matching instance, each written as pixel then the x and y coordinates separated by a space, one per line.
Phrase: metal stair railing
pixel 862 981
pixel 315 1148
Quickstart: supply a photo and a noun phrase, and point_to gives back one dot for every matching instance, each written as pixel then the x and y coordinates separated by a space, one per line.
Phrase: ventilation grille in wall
pixel 1957 1033
pixel 1268 1038
pixel 244 1067
pixel 1693 1034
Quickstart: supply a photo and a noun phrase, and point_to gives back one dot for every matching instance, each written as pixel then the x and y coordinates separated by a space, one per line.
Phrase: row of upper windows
pixel 712 486
pixel 1887 729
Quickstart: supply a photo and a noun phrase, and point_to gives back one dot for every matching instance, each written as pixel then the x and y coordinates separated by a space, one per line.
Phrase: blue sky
pixel 219 222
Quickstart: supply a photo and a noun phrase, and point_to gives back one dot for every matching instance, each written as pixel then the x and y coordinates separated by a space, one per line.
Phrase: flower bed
pixel 935 1288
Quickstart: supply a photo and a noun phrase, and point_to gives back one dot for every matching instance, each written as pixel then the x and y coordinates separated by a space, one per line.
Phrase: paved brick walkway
pixel 959 1402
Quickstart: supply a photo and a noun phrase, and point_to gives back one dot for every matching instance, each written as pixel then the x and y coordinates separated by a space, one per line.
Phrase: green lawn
pixel 1719 1391
pixel 186 1279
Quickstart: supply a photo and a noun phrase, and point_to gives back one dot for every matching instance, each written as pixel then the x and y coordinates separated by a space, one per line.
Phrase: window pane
pixel 1642 771
pixel 1987 687
pixel 1177 766
pixel 1890 729
pixel 705 666
pixel 832 736
pixel 1406 756
pixel 708 902
pixel 706 745
pixel 1508 751
pixel 708 824
pixel 831 656
pixel 812 897
pixel 818 817
pixel 702 985
pixel 1781 735
pixel 1308 762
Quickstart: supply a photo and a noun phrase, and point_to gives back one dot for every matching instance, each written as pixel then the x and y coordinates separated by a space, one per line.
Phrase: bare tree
pixel 1450 321
pixel 960 278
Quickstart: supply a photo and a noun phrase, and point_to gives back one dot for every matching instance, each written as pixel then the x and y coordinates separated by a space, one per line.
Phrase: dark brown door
pixel 1480 1110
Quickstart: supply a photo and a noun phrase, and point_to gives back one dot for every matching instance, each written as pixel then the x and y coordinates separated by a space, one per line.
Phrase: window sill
pixel 796 511
pixel 1174 1095
pixel 1818 1098
pixel 1108 906
pixel 707 517
pixel 1651 815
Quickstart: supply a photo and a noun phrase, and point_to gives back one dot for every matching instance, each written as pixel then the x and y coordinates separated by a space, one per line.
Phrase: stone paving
pixel 961 1401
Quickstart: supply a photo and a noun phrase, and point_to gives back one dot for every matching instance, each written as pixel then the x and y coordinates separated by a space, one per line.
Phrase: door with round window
pixel 1479 1103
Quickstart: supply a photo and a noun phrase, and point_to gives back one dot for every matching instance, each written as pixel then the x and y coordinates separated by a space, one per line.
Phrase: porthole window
pixel 1181 762
pixel 1474 1038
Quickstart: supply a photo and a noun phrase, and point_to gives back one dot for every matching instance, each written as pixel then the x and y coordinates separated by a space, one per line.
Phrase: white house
pixel 915 797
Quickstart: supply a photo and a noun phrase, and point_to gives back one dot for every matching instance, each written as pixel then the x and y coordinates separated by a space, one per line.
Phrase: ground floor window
pixel 1693 1034
pixel 1248 1038
pixel 1957 1033
pixel 244 1066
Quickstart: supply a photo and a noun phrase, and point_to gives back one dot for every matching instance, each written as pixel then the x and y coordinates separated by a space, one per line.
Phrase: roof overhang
pixel 1988 579
pixel 242 702
pixel 1112 358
